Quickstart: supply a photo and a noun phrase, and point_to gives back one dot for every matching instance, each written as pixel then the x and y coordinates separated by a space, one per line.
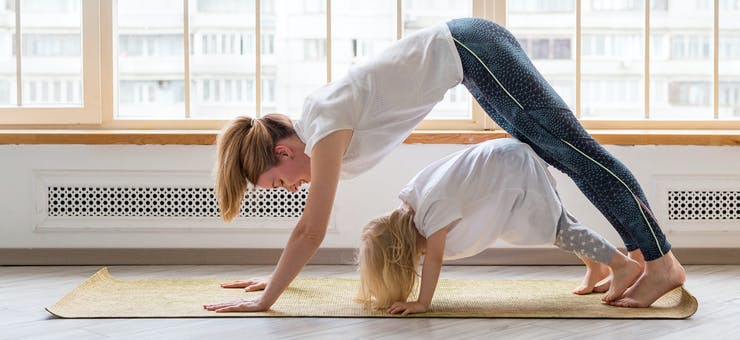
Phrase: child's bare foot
pixel 625 271
pixel 595 273
pixel 660 277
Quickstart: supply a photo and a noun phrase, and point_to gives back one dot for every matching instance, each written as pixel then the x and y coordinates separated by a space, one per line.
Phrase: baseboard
pixel 195 256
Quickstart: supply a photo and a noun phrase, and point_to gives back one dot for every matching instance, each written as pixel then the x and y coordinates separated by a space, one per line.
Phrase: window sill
pixel 208 137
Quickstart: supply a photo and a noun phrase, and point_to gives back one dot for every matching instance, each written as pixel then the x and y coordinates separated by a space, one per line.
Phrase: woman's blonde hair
pixel 245 151
pixel 388 259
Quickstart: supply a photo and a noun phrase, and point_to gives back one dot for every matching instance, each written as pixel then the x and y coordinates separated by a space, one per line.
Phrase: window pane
pixel 418 14
pixel 8 95
pixel 293 54
pixel 681 61
pixel 612 64
pixel 546 29
pixel 51 51
pixel 729 59
pixel 360 30
pixel 222 6
pixel 150 79
pixel 222 58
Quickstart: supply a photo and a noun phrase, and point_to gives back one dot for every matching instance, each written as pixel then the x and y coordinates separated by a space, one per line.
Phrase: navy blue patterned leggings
pixel 500 76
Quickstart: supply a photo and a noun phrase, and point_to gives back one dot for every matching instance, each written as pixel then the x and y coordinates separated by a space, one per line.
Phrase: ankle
pixel 618 261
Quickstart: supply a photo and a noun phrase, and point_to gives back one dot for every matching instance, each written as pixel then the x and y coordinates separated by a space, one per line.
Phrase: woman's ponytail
pixel 245 149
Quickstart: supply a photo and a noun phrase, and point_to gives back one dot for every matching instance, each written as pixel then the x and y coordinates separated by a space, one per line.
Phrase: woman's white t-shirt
pixel 498 189
pixel 384 99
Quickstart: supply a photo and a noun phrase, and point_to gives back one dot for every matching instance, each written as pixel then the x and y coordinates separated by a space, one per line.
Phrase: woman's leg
pixel 507 85
pixel 590 193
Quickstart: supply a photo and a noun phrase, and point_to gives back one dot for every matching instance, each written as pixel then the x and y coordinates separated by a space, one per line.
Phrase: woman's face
pixel 292 171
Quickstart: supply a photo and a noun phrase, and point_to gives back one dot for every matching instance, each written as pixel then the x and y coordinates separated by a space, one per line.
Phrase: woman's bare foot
pixel 637 256
pixel 592 281
pixel 625 271
pixel 660 277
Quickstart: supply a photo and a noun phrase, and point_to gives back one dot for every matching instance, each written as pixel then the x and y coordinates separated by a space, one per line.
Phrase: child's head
pixel 388 259
pixel 245 151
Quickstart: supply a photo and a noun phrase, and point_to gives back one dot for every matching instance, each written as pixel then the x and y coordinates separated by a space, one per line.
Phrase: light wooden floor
pixel 25 291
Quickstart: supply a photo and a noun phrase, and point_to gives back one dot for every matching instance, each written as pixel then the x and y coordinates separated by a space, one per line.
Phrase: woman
pixel 349 125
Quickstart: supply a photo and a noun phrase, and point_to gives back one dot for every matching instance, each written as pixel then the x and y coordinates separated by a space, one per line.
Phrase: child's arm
pixel 429 276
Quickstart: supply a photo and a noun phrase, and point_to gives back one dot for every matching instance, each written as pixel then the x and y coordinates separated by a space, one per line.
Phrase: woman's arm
pixel 307 236
pixel 429 276
pixel 326 158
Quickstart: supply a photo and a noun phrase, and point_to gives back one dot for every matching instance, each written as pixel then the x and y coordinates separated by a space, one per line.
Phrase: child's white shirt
pixel 384 99
pixel 498 189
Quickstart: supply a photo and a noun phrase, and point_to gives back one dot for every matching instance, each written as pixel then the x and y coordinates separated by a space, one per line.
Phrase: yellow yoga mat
pixel 104 296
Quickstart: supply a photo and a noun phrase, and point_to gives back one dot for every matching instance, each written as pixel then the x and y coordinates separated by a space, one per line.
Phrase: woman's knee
pixel 474 27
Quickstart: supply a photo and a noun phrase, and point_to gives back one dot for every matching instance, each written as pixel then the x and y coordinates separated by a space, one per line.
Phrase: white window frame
pixel 90 111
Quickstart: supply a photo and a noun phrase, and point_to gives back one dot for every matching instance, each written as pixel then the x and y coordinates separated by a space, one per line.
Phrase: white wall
pixel 358 200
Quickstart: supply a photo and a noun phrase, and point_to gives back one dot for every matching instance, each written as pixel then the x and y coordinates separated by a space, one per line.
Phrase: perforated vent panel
pixel 73 201
pixel 703 205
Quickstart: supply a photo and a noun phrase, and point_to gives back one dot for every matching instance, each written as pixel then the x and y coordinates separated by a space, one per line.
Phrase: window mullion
pixel 715 81
pixel 186 55
pixel 499 12
pixel 19 83
pixel 578 59
pixel 328 41
pixel 646 53
pixel 399 19
pixel 480 10
pixel 258 59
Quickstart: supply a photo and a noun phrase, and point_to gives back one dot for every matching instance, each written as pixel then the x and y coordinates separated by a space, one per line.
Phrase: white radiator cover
pixel 29 171
pixel 709 203
pixel 114 200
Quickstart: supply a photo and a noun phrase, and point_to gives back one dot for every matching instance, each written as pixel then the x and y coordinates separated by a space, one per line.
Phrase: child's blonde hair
pixel 388 259
pixel 245 149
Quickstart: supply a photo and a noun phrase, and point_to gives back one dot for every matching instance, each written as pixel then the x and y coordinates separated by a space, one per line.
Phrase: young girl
pixel 460 205
pixel 351 124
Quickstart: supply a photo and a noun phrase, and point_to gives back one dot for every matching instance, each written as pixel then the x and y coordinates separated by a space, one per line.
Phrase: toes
pixel 618 303
pixel 611 296
pixel 624 302
pixel 582 290
pixel 602 287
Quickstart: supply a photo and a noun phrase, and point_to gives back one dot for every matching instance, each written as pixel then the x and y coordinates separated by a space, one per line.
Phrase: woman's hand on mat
pixel 251 305
pixel 251 285
pixel 406 308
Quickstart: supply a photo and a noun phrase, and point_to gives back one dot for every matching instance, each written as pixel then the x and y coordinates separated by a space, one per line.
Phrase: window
pixel 612 64
pixel 314 49
pixel 224 6
pixel 729 60
pixel 268 44
pixel 314 6
pixel 546 31
pixel 195 63
pixel 686 72
pixel 546 48
pixel 49 79
pixel 417 14
pixel 535 6
pixel 616 5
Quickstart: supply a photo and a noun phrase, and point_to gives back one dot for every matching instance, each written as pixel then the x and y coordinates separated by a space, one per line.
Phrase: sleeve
pixel 331 108
pixel 438 215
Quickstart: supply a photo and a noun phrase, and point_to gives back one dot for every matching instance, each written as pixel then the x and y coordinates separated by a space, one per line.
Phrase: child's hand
pixel 258 283
pixel 406 308
pixel 251 305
